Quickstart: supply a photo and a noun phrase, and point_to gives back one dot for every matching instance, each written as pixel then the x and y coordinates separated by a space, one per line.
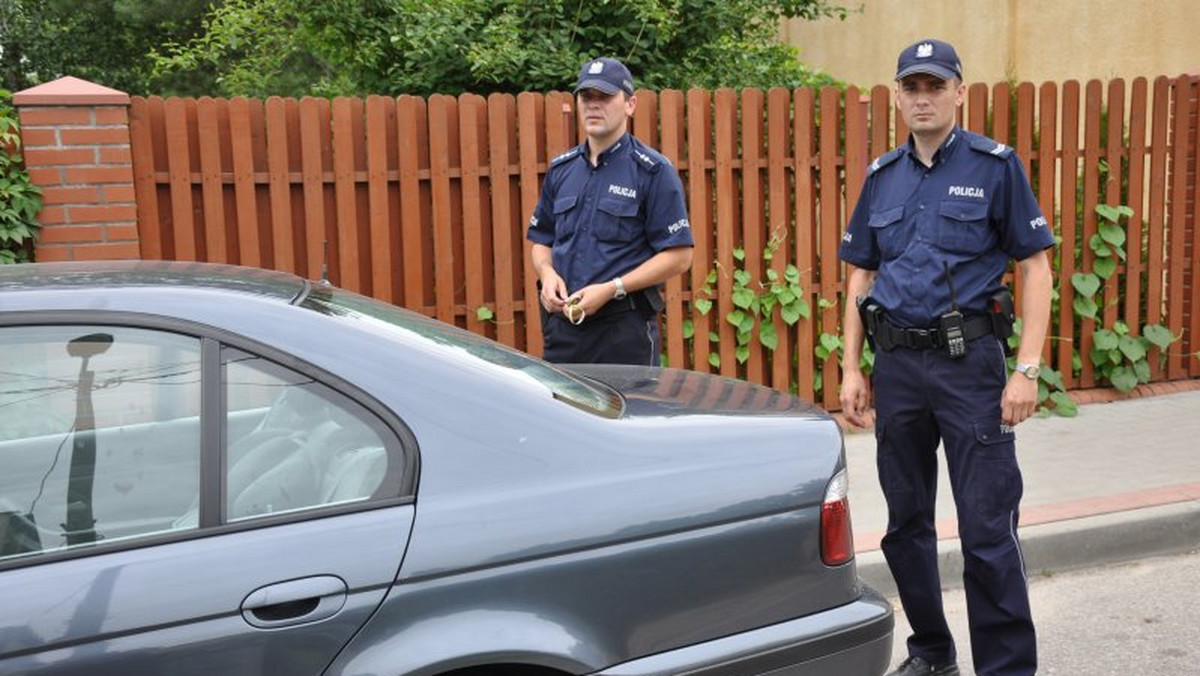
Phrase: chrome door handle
pixel 300 601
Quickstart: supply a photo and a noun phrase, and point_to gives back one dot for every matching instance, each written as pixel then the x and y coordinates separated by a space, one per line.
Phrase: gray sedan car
pixel 218 470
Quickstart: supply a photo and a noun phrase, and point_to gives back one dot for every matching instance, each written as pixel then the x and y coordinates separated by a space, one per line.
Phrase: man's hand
pixel 1019 400
pixel 554 292
pixel 856 397
pixel 591 298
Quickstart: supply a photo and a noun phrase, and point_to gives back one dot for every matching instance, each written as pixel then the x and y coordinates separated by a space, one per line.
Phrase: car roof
pixel 263 284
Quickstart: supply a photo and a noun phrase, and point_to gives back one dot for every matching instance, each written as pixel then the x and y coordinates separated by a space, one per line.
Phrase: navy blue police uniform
pixel 940 238
pixel 601 222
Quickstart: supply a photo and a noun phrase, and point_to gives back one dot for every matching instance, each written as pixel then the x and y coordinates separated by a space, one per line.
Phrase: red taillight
pixel 837 540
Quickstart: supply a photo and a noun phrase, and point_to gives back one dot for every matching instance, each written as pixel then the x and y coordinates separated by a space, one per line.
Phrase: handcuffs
pixel 571 309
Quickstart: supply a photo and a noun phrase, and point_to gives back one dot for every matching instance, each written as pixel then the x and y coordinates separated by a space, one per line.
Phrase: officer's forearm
pixel 542 258
pixel 858 284
pixel 1037 285
pixel 658 268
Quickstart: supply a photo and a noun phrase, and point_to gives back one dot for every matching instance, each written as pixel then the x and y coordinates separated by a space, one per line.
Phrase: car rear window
pixel 571 389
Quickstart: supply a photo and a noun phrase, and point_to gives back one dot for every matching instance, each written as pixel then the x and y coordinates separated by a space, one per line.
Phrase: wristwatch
pixel 1030 371
pixel 620 292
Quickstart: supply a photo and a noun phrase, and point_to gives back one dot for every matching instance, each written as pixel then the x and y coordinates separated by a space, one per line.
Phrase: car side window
pixel 296 444
pixel 99 435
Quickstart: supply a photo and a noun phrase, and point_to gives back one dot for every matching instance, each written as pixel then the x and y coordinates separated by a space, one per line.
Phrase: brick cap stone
pixel 70 91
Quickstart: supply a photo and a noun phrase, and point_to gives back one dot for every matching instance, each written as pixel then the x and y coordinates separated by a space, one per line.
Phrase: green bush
pixel 20 200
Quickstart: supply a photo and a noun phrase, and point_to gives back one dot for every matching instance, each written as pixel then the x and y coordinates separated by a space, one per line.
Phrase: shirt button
pixel 920 206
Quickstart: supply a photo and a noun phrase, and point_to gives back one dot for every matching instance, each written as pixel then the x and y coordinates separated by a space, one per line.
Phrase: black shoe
pixel 916 666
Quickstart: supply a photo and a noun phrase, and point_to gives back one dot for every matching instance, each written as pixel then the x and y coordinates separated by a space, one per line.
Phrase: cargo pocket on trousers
pixel 995 487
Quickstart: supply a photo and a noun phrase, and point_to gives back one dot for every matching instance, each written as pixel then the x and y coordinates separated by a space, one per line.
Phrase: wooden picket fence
pixel 423 203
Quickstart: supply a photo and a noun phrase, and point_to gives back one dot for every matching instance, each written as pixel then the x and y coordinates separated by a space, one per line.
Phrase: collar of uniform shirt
pixel 941 153
pixel 621 143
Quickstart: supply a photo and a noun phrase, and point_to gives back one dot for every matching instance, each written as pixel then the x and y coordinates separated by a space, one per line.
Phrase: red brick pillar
pixel 76 145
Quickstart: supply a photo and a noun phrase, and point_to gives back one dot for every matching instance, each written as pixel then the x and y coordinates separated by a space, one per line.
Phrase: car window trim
pixel 213 413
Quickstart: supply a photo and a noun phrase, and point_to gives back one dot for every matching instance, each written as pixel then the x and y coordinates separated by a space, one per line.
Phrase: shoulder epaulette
pixel 648 161
pixel 987 146
pixel 565 156
pixel 884 160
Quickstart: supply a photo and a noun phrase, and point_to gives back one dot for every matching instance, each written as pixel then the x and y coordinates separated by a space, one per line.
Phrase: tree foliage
pixel 105 41
pixel 356 47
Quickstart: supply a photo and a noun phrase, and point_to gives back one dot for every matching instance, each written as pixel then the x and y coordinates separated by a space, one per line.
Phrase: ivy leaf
pixel 768 337
pixel 1123 378
pixel 1114 214
pixel 703 305
pixel 484 313
pixel 714 360
pixel 830 342
pixel 1107 212
pixel 792 274
pixel 735 317
pixel 742 278
pixel 743 298
pixel 1133 349
pixel 1085 307
pixel 1085 284
pixel 1112 233
pixel 1142 370
pixel 739 254
pixel 1064 405
pixel 742 353
pixel 790 313
pixel 767 303
pixel 689 329
pixel 714 337
pixel 1105 267
pixel 1158 335
pixel 803 308
pixel 1052 378
pixel 772 275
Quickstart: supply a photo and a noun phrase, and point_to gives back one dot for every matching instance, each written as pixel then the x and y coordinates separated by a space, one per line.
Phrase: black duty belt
pixel 890 337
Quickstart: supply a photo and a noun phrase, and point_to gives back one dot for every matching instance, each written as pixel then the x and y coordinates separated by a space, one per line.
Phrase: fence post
pixel 75 135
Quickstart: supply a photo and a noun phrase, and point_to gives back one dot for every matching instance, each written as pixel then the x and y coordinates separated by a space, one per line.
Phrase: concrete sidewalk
pixel 1119 481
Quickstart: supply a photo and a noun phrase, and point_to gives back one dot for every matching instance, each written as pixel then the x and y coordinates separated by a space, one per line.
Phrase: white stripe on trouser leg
pixel 650 340
pixel 1012 531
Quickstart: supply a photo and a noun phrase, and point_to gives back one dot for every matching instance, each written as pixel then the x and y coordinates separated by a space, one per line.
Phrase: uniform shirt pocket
pixel 963 227
pixel 564 204
pixel 616 219
pixel 888 228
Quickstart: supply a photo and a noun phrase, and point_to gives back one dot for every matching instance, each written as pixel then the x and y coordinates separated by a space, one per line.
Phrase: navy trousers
pixel 921 397
pixel 625 337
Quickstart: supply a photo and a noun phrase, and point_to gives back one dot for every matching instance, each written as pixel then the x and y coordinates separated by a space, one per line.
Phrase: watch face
pixel 1029 371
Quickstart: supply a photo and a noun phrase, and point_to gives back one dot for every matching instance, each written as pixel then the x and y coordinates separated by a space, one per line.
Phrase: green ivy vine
pixel 1119 357
pixel 756 303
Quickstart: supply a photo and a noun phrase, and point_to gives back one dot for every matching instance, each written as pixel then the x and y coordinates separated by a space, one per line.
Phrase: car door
pixel 170 504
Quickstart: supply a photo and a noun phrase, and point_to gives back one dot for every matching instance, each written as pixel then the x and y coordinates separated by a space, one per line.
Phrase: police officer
pixel 927 245
pixel 610 227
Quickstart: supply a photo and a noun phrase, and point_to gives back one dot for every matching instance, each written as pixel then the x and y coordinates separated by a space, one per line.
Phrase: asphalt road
pixel 1131 618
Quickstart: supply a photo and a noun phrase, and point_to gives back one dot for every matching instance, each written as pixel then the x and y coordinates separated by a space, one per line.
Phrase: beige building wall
pixel 1020 40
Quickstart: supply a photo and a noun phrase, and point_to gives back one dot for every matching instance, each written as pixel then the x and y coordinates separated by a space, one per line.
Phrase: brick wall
pixel 76 139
